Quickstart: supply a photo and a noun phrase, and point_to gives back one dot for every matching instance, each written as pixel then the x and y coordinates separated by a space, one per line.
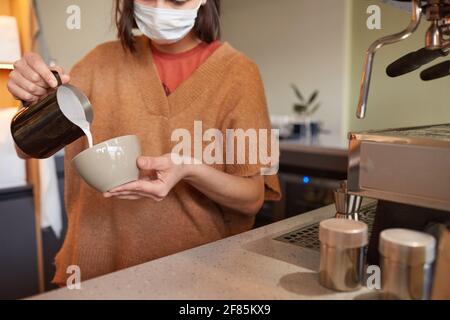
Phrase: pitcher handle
pixel 26 104
pixel 57 76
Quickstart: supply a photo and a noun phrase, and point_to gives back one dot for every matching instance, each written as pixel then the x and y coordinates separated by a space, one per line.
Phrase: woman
pixel 173 76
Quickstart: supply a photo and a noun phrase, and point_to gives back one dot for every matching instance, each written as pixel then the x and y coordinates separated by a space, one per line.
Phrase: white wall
pixel 69 46
pixel 294 41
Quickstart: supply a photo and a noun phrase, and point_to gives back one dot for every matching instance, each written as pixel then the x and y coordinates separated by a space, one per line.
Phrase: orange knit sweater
pixel 105 235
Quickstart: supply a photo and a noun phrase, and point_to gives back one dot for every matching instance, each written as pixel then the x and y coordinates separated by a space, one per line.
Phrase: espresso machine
pixel 407 170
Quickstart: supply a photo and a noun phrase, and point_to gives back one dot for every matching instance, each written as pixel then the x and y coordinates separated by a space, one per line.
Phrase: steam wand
pixel 416 14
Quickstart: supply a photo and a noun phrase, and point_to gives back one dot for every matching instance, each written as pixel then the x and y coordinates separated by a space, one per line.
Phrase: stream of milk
pixel 73 110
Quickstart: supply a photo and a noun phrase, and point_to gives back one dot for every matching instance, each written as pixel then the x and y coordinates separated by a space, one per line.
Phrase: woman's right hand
pixel 31 78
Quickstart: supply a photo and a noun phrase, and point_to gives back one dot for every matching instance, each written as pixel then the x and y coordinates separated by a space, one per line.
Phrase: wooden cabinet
pixel 22 10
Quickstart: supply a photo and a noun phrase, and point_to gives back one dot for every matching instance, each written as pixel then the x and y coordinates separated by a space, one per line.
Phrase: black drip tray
pixel 308 236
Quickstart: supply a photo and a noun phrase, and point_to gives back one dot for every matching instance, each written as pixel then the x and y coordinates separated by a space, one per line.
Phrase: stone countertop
pixel 247 266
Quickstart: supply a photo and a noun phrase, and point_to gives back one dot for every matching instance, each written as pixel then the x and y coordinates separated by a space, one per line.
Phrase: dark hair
pixel 207 25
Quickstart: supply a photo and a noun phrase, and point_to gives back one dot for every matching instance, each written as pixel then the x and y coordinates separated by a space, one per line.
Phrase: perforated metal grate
pixel 308 236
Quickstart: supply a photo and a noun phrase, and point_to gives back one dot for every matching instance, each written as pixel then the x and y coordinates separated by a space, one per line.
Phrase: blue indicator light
pixel 306 180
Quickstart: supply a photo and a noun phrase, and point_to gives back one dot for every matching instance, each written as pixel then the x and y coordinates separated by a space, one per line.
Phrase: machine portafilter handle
pixel 347 205
pixel 413 61
pixel 436 72
pixel 416 15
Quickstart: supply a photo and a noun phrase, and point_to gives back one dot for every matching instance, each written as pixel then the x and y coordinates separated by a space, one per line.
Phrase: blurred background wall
pixel 299 41
pixel 68 46
pixel 399 102
pixel 292 41
pixel 314 44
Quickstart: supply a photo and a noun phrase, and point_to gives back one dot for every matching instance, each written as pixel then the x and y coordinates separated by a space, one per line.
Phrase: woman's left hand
pixel 157 177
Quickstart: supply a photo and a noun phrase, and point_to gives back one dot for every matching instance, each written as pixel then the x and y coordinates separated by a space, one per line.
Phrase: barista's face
pixel 171 4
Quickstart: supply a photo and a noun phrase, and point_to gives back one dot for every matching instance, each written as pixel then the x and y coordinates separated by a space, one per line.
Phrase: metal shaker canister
pixel 342 253
pixel 441 283
pixel 42 128
pixel 407 258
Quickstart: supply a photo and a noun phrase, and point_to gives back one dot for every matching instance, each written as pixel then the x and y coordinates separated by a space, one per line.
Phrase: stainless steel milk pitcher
pixel 42 128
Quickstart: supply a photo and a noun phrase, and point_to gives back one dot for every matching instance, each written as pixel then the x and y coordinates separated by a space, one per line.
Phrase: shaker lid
pixel 407 246
pixel 343 233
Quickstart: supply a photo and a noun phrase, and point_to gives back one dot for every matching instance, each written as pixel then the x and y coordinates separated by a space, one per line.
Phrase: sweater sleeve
pixel 251 146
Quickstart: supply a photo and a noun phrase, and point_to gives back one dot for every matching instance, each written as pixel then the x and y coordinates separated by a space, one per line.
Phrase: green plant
pixel 306 106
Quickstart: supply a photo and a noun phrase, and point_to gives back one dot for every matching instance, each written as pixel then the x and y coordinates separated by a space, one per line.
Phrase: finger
pixel 127 193
pixel 124 188
pixel 129 197
pixel 64 77
pixel 26 84
pixel 153 163
pixel 26 71
pixel 19 93
pixel 133 194
pixel 152 189
pixel 122 194
pixel 35 61
pixel 139 186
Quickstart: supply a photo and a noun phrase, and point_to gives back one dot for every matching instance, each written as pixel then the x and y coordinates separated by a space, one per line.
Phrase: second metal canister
pixel 407 258
pixel 342 254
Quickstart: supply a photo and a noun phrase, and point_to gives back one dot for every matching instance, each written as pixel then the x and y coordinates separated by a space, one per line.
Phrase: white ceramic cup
pixel 109 164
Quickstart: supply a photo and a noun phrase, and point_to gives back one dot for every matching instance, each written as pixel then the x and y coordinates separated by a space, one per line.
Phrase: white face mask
pixel 164 25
